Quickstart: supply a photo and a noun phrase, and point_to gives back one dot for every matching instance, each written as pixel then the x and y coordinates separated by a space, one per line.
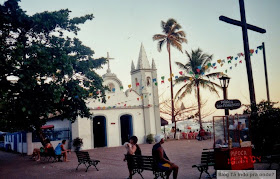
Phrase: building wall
pixel 59 123
pixel 113 126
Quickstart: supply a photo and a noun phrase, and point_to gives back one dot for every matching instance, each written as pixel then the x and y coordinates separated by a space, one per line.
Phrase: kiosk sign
pixel 228 104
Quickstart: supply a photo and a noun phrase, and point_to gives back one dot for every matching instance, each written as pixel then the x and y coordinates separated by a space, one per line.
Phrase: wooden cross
pixel 246 26
pixel 108 59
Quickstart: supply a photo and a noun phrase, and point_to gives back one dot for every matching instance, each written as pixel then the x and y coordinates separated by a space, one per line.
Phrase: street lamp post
pixel 224 81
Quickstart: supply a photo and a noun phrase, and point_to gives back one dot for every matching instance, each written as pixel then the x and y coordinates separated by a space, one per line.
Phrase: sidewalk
pixel 184 153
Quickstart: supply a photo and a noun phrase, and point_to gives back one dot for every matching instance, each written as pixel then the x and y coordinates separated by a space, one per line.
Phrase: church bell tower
pixel 144 82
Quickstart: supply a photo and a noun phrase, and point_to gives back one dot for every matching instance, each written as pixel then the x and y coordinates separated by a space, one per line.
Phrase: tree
pixel 194 77
pixel 172 36
pixel 52 74
pixel 264 126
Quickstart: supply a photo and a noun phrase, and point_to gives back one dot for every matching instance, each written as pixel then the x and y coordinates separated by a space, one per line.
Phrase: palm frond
pixel 210 87
pixel 160 44
pixel 187 88
pixel 182 79
pixel 212 75
pixel 159 37
pixel 180 33
pixel 181 65
pixel 175 43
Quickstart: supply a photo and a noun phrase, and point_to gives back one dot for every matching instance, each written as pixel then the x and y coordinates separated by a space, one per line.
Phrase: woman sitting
pixel 36 151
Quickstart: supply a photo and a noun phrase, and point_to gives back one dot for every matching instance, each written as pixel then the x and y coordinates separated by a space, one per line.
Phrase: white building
pixel 126 113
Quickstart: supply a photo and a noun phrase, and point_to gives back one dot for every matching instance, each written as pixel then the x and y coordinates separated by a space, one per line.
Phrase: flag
pixel 129 86
pixel 176 77
pixel 162 81
pixel 137 84
pixel 90 94
pixel 252 51
pixel 154 79
pixel 260 47
pixel 180 72
pixel 162 77
pixel 236 58
pixel 169 79
pixel 114 89
pixel 198 70
pixel 121 87
pixel 219 61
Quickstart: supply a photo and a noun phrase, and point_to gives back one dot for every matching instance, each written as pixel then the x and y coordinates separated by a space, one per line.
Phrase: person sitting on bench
pixel 60 150
pixel 36 151
pixel 161 158
pixel 132 149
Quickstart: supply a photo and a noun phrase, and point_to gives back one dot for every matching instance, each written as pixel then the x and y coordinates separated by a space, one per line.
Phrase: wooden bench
pixel 51 156
pixel 83 158
pixel 139 163
pixel 275 155
pixel 207 159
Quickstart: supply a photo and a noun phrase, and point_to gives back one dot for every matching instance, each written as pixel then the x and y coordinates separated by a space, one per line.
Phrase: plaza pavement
pixel 184 153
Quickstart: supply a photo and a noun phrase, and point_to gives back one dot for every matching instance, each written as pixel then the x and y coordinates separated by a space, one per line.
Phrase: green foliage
pixel 265 125
pixel 56 73
pixel 195 76
pixel 150 138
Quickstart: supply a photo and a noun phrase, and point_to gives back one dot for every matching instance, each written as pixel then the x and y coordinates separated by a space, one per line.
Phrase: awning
pixel 163 122
pixel 47 127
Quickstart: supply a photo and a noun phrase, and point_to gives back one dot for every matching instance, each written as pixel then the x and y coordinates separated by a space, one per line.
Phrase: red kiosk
pixel 232 145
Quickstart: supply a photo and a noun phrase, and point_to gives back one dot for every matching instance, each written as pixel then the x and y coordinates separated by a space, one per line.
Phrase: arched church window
pixel 148 81
pixel 111 87
pixel 136 82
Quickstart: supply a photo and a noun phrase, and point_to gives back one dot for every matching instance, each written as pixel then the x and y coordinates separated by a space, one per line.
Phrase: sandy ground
pixel 184 153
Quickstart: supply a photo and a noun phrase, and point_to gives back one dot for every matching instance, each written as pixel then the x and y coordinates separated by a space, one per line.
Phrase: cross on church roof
pixel 108 59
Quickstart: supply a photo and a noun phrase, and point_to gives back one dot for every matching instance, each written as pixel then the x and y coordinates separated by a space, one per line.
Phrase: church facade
pixel 134 111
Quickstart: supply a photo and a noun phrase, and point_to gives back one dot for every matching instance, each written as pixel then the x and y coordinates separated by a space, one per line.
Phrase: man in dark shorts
pixel 163 161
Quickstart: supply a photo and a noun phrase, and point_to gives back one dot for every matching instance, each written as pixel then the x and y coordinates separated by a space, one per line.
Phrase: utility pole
pixel 265 73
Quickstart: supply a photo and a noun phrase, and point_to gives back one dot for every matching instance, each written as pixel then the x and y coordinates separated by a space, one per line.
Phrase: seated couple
pixel 59 150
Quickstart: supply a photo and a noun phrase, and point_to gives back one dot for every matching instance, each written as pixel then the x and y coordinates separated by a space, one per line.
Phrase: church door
pixel 126 128
pixel 99 131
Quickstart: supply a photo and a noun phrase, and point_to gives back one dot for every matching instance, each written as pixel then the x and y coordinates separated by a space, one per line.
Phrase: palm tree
pixel 195 76
pixel 172 36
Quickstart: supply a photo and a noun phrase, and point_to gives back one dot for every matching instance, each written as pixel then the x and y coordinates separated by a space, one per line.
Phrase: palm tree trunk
pixel 198 102
pixel 171 87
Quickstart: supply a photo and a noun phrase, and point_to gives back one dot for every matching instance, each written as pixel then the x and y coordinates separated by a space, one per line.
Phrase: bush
pixel 77 143
pixel 265 127
pixel 150 138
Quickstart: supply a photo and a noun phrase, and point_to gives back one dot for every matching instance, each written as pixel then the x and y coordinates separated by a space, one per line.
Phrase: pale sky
pixel 120 26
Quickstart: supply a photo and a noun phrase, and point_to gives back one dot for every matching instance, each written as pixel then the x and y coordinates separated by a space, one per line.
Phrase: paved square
pixel 184 153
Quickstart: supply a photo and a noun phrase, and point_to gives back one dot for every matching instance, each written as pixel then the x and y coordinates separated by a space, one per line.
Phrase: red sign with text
pixel 241 158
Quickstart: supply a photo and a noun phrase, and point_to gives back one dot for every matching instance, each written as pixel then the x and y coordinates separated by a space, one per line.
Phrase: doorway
pixel 126 128
pixel 99 131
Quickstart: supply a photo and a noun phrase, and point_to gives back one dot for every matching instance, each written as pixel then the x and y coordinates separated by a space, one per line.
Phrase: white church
pixel 125 113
